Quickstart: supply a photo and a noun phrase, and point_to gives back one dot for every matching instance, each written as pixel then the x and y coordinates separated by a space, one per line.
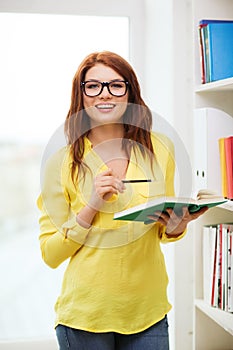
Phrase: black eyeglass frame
pixel 105 83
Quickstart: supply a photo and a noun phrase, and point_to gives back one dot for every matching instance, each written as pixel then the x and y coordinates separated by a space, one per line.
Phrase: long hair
pixel 137 119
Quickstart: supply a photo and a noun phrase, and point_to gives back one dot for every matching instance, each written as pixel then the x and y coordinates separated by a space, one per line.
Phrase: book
pixel 209 256
pixel 217 287
pixel 142 211
pixel 209 125
pixel 228 142
pixel 207 21
pixel 214 287
pixel 222 155
pixel 220 50
pixel 202 54
pixel 230 268
pixel 204 47
pixel 216 49
pixel 205 52
pixel 218 266
pixel 224 267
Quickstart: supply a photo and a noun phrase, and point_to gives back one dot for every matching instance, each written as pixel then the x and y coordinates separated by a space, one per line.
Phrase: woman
pixel 114 289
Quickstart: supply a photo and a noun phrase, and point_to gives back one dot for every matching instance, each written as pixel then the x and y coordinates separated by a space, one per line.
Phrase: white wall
pixel 134 9
pixel 158 93
pixel 183 107
pixel 43 344
pixel 168 70
pixel 158 57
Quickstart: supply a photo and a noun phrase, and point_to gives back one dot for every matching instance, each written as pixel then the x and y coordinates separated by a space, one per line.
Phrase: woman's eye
pixel 92 86
pixel 117 85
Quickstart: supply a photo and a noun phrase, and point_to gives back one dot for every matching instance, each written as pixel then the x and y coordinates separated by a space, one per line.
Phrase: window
pixel 39 56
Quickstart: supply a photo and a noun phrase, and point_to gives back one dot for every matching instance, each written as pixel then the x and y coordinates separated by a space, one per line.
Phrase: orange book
pixel 222 155
pixel 228 142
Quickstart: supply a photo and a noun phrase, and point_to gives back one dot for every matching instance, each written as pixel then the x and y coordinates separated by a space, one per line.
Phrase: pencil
pixel 135 181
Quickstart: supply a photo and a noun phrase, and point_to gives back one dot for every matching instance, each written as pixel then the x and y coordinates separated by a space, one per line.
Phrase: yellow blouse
pixel 116 279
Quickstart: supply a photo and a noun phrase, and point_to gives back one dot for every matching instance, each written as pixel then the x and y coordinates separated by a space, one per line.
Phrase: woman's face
pixel 104 108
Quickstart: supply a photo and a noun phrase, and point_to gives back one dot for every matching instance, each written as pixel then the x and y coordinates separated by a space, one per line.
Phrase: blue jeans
pixel 153 338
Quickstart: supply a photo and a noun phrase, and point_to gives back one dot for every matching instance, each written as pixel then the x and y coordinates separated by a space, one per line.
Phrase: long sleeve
pixel 167 162
pixel 56 216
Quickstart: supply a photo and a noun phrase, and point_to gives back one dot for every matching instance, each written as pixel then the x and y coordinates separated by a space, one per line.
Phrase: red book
pixel 220 294
pixel 228 142
pixel 202 54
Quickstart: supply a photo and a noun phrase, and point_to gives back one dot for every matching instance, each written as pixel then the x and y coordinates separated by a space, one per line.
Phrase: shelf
pixel 220 85
pixel 228 205
pixel 222 318
pixel 213 327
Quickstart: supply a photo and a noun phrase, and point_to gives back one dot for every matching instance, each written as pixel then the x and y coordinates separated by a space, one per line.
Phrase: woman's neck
pixel 107 143
pixel 104 133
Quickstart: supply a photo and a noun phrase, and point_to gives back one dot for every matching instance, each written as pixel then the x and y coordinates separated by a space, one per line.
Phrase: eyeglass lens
pixel 94 88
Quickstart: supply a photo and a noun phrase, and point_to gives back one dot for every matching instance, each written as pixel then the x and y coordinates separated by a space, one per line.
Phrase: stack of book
pixel 218 266
pixel 226 164
pixel 216 49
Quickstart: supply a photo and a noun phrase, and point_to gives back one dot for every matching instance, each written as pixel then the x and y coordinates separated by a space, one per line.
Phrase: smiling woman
pixel 116 297
pixel 35 75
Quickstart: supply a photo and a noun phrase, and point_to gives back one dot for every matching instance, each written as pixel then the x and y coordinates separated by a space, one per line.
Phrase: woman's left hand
pixel 176 224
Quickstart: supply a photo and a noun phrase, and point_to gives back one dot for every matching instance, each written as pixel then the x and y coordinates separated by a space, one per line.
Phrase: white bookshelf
pixel 213 328
pixel 227 206
pixel 222 318
pixel 220 85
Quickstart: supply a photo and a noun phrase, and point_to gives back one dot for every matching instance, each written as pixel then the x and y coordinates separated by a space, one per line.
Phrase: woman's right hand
pixel 105 185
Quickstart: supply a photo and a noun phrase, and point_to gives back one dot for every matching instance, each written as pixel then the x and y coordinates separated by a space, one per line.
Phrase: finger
pixel 177 211
pixel 160 216
pixel 103 175
pixel 106 192
pixel 110 181
pixel 199 213
pixel 164 213
pixel 167 215
pixel 156 219
pixel 170 212
pixel 153 217
pixel 157 213
pixel 107 189
pixel 107 172
pixel 185 212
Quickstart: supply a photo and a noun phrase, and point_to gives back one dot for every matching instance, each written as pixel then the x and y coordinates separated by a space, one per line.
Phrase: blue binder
pixel 220 55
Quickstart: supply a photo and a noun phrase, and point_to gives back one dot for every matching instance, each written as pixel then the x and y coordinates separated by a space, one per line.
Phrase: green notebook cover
pixel 141 212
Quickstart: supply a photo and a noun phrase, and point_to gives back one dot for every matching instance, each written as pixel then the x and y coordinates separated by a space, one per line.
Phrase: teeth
pixel 105 106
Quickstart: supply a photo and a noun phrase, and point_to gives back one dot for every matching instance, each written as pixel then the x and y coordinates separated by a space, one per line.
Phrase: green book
pixel 140 212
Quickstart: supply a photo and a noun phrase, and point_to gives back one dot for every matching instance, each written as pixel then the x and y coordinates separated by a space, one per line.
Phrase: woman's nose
pixel 105 93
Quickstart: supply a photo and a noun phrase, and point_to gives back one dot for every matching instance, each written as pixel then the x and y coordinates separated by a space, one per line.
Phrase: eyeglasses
pixel 94 88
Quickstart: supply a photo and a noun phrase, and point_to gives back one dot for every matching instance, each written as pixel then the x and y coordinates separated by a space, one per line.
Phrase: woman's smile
pixel 105 107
